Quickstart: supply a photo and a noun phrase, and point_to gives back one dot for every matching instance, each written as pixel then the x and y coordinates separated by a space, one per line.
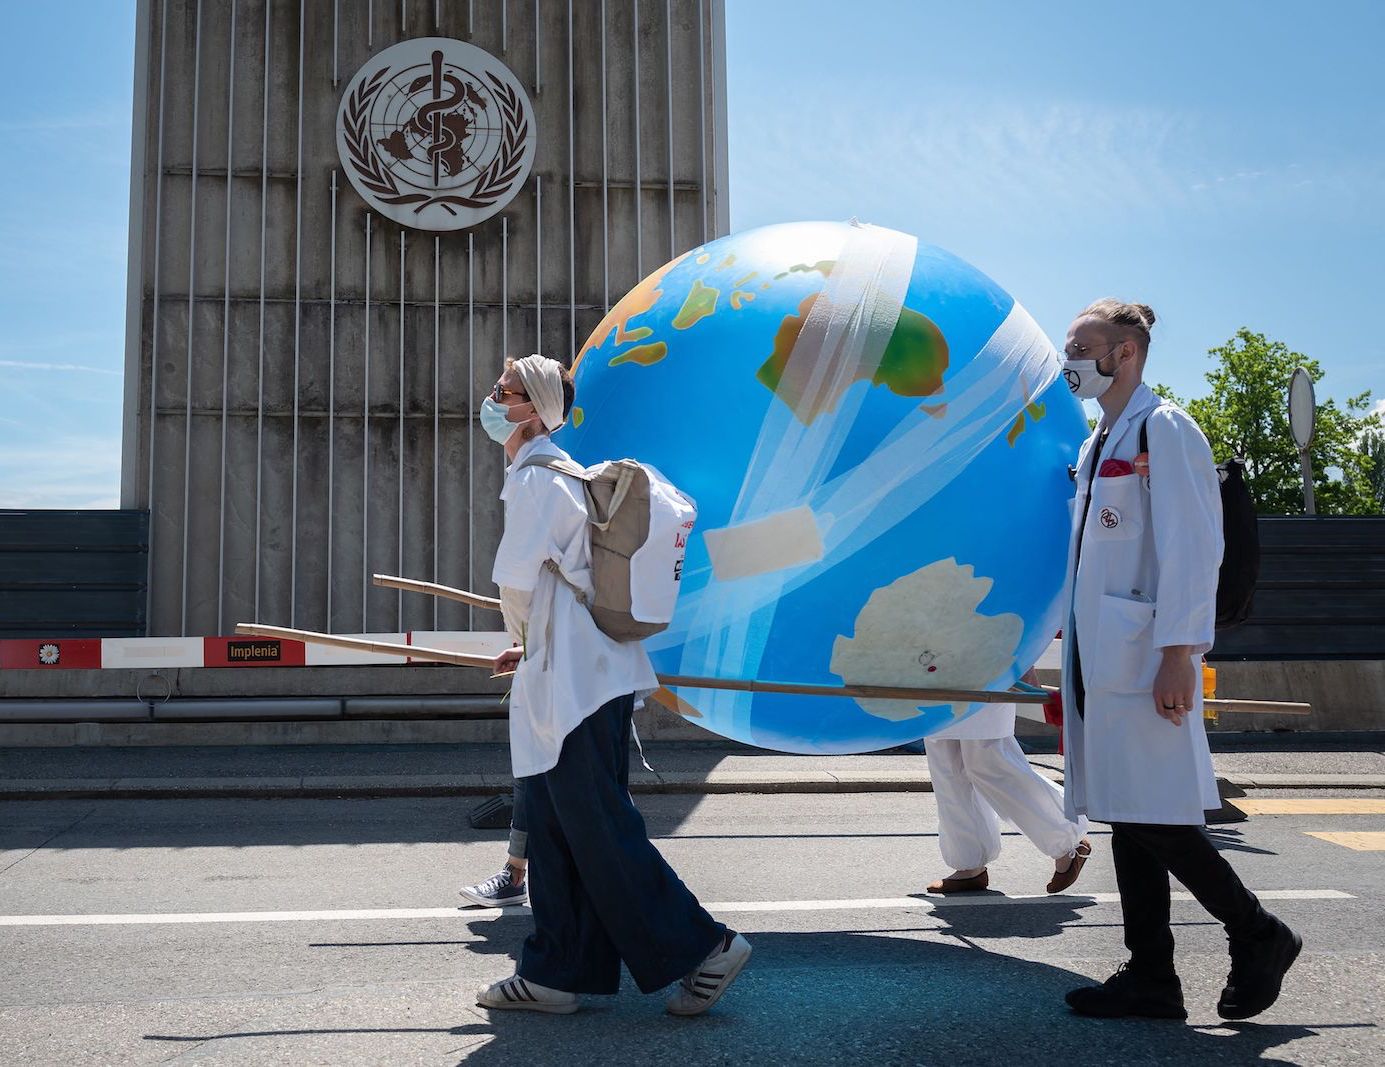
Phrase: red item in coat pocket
pixel 1053 715
pixel 1115 468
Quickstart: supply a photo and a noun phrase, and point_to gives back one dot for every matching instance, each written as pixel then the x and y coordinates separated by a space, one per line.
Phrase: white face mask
pixel 1085 377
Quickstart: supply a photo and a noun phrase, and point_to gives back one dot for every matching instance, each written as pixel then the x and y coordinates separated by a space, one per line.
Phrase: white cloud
pixel 60 471
pixel 973 160
pixel 22 365
pixel 97 120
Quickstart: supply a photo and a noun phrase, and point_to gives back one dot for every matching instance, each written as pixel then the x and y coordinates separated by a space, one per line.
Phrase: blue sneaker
pixel 497 891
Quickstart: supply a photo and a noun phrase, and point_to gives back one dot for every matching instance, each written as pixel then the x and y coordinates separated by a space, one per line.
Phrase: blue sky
pixel 1221 161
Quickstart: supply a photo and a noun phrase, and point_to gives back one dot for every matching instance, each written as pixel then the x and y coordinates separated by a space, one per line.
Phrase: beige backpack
pixel 639 524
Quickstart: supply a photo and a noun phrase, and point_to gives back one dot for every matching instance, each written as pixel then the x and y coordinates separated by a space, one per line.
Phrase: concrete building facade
pixel 302 373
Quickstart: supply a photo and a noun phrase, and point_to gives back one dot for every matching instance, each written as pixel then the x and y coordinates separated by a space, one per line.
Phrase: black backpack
pixel 1240 561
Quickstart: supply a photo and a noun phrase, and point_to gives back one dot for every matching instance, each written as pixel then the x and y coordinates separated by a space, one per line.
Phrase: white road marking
pixel 716 908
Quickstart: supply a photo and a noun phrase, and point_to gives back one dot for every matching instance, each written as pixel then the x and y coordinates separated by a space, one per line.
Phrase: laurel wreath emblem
pixel 494 182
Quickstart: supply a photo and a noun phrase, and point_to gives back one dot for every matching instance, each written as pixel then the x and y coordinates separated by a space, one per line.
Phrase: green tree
pixel 1247 416
pixel 1373 445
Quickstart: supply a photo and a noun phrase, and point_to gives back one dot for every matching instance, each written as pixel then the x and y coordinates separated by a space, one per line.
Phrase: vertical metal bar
pixel 403 30
pixel 635 56
pixel 399 544
pixel 437 18
pixel 702 105
pixel 336 34
pixel 226 326
pixel 192 311
pixel 538 263
pixel 538 66
pixel 504 25
pixel 470 17
pixel 605 190
pixel 154 323
pixel 668 110
pixel 297 324
pixel 331 397
pixel 142 122
pixel 504 287
pixel 365 446
pixel 370 24
pixel 264 206
pixel 470 429
pixel 437 402
pixel 571 199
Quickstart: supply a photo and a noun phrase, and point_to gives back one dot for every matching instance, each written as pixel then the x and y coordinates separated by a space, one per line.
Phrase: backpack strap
pixel 575 470
pixel 562 466
pixel 598 514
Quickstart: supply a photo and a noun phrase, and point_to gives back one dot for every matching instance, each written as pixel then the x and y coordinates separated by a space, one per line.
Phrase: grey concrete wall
pixel 1345 694
pixel 255 322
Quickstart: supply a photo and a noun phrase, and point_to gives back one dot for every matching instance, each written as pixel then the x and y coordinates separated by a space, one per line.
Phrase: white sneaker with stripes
pixel 520 994
pixel 701 988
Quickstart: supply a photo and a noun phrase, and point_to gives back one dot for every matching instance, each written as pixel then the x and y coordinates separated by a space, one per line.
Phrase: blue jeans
pixel 519 824
pixel 600 892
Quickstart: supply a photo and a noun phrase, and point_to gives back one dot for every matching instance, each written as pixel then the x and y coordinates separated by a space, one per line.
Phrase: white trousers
pixel 976 780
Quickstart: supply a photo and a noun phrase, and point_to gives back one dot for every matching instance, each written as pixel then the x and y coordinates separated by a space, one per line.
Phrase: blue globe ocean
pixel 877 439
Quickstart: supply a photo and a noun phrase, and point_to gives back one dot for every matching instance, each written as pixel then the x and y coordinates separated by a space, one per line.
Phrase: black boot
pixel 1258 967
pixel 1131 992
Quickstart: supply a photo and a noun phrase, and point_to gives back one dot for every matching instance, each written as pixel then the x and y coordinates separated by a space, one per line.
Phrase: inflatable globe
pixel 877 438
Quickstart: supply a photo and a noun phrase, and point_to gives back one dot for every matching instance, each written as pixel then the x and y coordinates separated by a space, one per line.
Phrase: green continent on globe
pixel 912 365
pixel 641 355
pixel 701 302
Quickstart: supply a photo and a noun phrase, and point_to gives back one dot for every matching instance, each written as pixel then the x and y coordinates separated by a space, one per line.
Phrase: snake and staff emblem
pixel 436 134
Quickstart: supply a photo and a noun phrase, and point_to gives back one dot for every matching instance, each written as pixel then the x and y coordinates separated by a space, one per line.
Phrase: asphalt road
pixel 850 965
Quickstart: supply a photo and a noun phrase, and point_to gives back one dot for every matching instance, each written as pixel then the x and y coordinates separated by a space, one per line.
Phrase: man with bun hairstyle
pixel 1142 578
pixel 601 893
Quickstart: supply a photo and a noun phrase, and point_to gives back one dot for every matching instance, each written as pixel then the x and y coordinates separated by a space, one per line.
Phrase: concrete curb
pixel 313 787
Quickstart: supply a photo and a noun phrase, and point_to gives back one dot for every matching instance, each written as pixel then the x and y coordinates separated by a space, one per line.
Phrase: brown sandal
pixel 973 884
pixel 1063 879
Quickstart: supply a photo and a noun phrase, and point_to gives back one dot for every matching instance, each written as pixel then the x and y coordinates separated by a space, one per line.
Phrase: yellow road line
pixel 1311 805
pixel 1359 840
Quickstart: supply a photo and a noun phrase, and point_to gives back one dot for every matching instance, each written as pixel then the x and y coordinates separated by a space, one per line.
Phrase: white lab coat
pixel 1146 579
pixel 570 668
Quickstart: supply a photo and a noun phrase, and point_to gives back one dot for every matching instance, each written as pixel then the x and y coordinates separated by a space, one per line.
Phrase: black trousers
pixel 1145 855
pixel 600 892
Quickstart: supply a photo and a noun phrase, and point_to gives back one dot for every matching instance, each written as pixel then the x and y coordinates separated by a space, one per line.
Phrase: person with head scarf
pixel 601 893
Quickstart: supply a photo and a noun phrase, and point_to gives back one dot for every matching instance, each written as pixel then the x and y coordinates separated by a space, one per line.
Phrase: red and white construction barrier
pixel 152 653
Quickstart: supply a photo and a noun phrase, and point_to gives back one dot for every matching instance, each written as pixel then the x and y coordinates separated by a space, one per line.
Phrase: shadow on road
pixel 841 998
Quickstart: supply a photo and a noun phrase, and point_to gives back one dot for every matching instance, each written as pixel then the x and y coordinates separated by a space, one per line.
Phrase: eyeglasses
pixel 499 393
pixel 1081 351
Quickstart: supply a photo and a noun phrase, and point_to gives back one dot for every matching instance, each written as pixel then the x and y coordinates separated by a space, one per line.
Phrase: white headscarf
pixel 543 382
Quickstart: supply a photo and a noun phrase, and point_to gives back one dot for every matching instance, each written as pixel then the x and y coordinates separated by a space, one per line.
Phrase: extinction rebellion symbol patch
pixel 436 134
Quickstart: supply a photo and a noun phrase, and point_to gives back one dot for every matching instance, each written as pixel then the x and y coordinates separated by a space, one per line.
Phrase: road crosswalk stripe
pixel 1311 805
pixel 1358 840
pixel 716 908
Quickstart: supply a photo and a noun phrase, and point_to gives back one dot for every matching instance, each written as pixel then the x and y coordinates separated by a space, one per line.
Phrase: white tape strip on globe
pixel 776 542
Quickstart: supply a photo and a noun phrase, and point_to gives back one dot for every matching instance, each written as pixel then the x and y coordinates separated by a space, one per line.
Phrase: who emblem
pixel 436 134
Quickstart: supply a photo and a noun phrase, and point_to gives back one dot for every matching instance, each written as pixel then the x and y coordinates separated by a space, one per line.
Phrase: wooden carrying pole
pixel 363 644
pixel 673 681
pixel 463 659
pixel 412 585
pixel 860 692
pixel 1246 707
pixel 1257 707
